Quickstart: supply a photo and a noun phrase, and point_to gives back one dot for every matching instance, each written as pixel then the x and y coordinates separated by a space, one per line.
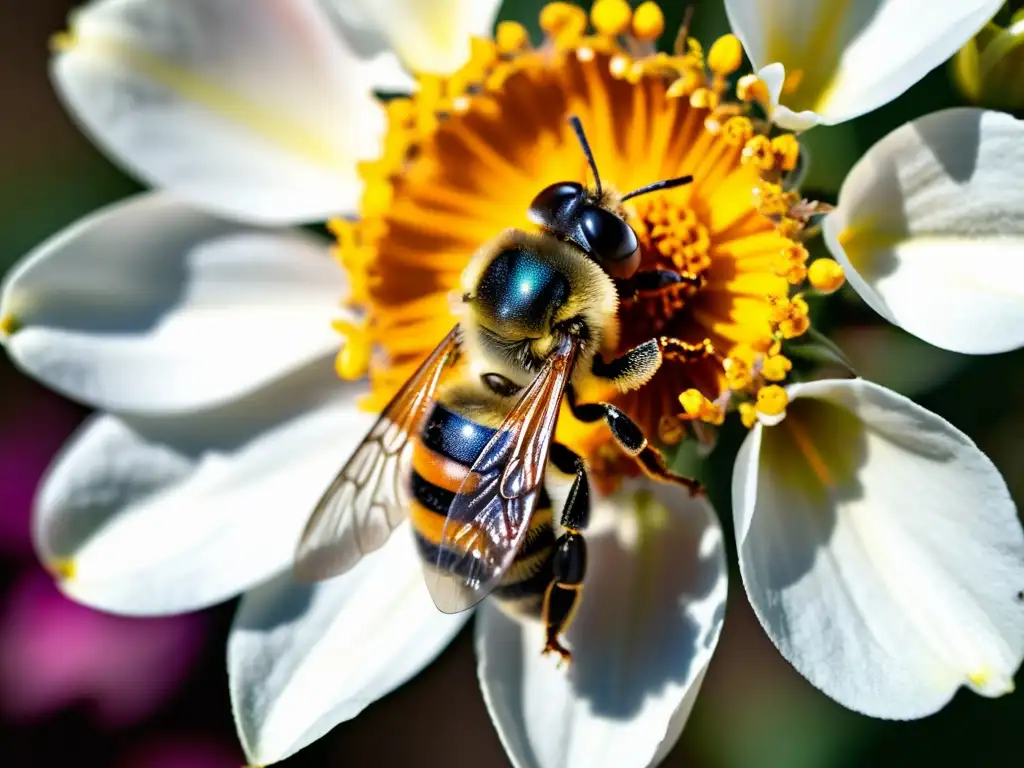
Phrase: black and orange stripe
pixel 447 446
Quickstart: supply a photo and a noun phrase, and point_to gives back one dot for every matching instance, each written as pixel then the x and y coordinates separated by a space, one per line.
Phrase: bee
pixel 469 460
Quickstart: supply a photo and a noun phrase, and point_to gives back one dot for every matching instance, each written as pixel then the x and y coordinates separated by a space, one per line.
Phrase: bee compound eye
pixel 555 202
pixel 610 238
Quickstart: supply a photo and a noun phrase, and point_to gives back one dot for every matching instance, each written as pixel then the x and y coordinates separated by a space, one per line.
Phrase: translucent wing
pixel 491 512
pixel 367 500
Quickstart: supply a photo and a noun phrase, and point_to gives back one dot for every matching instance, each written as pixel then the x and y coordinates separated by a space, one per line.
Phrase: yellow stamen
pixel 738 130
pixel 748 414
pixel 776 367
pixel 611 17
pixel 61 568
pixel 353 360
pixel 790 316
pixel 772 400
pixel 9 324
pixel 725 56
pixel 563 21
pixel 648 22
pixel 787 151
pixel 511 37
pixel 704 98
pixel 751 88
pixel 826 275
pixel 757 151
pixel 699 407
pixel 791 263
pixel 738 374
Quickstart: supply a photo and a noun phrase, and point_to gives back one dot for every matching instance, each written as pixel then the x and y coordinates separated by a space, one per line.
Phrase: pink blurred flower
pixel 55 653
pixel 182 751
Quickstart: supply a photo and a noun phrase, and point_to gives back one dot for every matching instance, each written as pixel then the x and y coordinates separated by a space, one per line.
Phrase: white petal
pixel 154 516
pixel 930 229
pixel 854 57
pixel 149 306
pixel 427 36
pixel 881 551
pixel 302 659
pixel 254 110
pixel 653 605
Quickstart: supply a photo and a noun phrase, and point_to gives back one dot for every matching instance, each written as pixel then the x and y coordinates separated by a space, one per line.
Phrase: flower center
pixel 464 157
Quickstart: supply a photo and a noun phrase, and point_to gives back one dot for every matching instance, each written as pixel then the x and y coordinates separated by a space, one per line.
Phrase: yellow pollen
pixel 353 360
pixel 738 130
pixel 563 21
pixel 772 400
pixel 9 324
pixel 699 407
pixel 776 367
pixel 748 414
pixel 791 263
pixel 704 98
pixel 62 568
pixel 787 151
pixel 648 22
pixel 757 151
pixel 611 17
pixel 725 56
pixel 511 37
pixel 826 275
pixel 738 374
pixel 751 88
pixel 790 316
pixel 772 200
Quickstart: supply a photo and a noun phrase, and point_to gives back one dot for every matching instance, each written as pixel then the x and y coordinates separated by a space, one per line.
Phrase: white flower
pixel 880 550
pixel 844 59
pixel 206 345
pixel 930 229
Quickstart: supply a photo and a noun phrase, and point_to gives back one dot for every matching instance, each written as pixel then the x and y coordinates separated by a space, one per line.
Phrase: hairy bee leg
pixel 569 562
pixel 636 367
pixel 655 280
pixel 631 438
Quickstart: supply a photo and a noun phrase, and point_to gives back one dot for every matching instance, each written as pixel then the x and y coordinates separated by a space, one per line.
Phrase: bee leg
pixel 631 439
pixel 633 369
pixel 569 561
pixel 654 280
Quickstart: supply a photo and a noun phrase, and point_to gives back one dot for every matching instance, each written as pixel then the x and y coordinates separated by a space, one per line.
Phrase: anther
pixel 611 17
pixel 697 406
pixel 751 88
pixel 748 414
pixel 353 360
pixel 704 98
pixel 776 367
pixel 772 400
pixel 826 275
pixel 757 151
pixel 725 56
pixel 563 21
pixel 737 130
pixel 648 21
pixel 787 151
pixel 511 37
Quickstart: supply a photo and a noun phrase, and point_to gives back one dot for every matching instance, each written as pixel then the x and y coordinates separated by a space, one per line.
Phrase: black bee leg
pixel 631 439
pixel 654 280
pixel 636 367
pixel 569 561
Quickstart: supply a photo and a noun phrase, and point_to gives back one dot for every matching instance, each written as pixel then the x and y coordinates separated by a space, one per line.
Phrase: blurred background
pixel 75 684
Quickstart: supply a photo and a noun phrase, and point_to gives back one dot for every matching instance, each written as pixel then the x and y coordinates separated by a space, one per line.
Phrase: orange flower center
pixel 465 156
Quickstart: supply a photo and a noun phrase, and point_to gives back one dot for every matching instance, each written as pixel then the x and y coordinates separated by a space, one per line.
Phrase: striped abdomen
pixel 448 445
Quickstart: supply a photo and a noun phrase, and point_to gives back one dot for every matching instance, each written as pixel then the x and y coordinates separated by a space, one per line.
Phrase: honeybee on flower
pixel 873 536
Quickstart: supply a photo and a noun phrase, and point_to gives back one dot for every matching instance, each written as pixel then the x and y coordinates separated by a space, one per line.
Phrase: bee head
pixel 572 212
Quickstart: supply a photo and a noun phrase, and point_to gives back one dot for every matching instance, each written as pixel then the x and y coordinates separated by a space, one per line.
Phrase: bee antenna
pixel 664 184
pixel 577 126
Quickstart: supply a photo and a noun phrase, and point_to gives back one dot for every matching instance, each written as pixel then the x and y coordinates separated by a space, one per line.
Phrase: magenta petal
pixel 54 653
